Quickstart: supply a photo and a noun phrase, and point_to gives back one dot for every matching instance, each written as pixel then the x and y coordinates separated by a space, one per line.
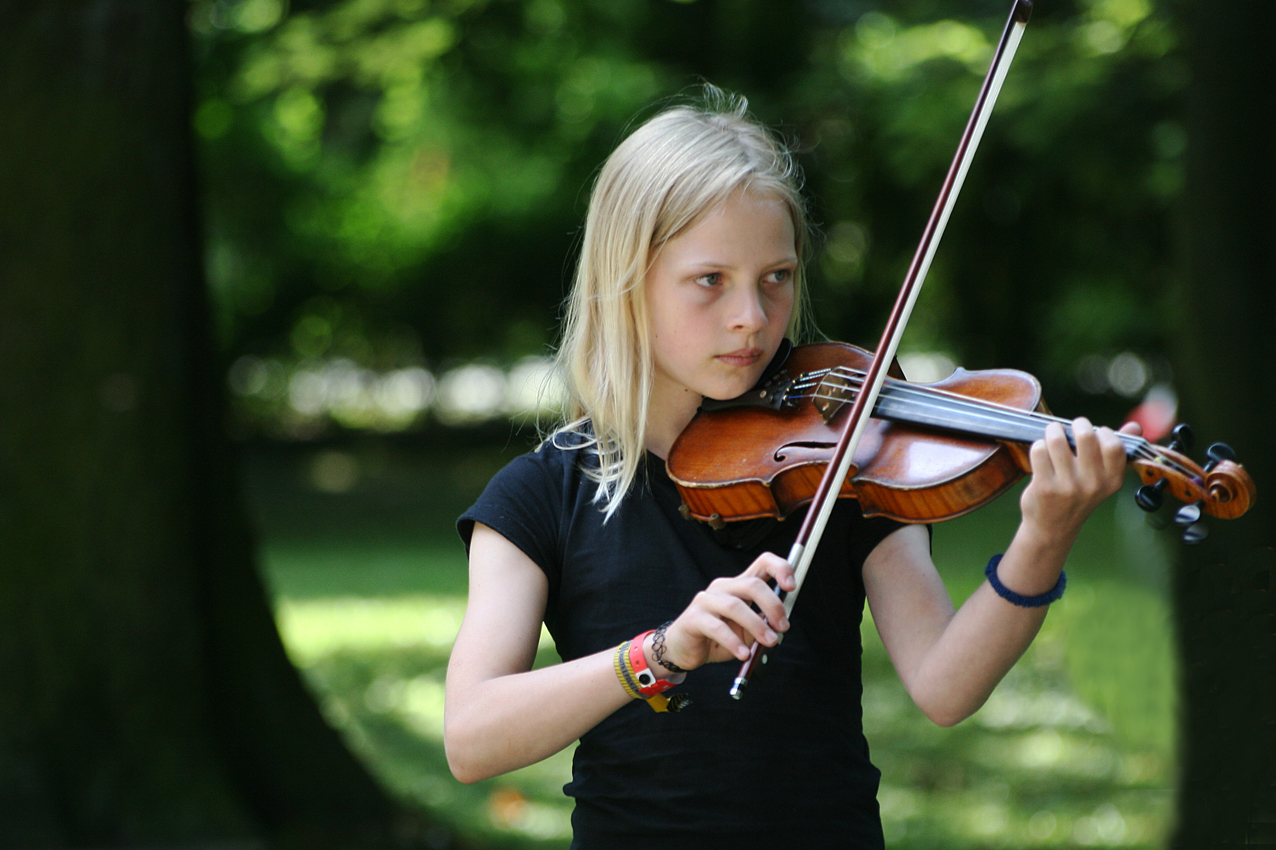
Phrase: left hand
pixel 1067 486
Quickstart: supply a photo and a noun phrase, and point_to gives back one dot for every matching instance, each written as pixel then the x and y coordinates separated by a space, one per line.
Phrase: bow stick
pixel 817 516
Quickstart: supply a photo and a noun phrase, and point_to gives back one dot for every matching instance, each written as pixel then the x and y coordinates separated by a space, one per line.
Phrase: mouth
pixel 741 357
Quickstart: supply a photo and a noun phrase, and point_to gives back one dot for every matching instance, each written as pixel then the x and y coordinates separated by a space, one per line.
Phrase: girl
pixel 689 279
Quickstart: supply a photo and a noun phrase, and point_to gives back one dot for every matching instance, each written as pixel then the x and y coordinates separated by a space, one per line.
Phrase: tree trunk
pixel 1224 593
pixel 145 696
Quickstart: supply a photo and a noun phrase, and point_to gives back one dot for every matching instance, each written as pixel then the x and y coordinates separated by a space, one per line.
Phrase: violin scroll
pixel 1222 488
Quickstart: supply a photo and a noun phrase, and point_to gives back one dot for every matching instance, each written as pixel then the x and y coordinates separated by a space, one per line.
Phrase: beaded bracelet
pixel 1017 599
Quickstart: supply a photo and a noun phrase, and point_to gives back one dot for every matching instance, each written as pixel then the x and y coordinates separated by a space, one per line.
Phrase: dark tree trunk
pixel 144 694
pixel 1225 593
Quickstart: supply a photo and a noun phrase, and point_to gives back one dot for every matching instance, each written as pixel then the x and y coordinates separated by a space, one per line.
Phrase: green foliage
pixel 388 133
pixel 1071 191
pixel 399 182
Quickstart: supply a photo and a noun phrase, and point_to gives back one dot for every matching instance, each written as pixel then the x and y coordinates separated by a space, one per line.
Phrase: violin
pixel 931 452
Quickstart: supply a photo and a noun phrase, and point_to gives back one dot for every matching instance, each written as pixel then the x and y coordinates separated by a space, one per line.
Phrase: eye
pixel 780 276
pixel 709 280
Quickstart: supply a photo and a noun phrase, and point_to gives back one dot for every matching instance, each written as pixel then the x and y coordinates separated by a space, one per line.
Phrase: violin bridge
pixel 832 394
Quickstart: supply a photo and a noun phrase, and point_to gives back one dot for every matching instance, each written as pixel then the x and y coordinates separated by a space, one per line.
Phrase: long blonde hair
pixel 656 184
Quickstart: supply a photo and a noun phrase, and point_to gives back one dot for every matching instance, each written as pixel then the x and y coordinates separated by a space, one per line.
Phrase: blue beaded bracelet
pixel 1023 601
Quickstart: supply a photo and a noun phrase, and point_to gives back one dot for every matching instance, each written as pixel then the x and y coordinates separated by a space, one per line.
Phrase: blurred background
pixel 379 202
pixel 394 193
pixel 394 189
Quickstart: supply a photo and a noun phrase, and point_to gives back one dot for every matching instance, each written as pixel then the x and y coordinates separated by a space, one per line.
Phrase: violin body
pixel 930 452
pixel 769 462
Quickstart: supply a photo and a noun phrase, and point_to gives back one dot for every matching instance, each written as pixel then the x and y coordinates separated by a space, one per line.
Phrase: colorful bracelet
pixel 640 682
pixel 1017 599
pixel 620 661
pixel 648 684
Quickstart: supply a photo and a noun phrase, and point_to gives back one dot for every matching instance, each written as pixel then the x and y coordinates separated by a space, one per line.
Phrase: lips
pixel 741 357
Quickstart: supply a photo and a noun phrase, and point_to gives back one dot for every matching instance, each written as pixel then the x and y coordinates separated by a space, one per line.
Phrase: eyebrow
pixel 718 264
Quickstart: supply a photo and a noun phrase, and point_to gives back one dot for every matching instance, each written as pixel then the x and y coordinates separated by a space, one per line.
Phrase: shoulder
pixel 528 496
pixel 553 466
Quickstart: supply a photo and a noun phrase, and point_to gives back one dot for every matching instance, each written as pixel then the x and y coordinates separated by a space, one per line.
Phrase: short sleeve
pixel 871 532
pixel 524 504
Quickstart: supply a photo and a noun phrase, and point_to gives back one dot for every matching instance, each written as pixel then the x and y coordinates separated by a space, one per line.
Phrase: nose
pixel 748 313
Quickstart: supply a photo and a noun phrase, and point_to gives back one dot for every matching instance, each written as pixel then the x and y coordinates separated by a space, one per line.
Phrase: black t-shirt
pixel 788 764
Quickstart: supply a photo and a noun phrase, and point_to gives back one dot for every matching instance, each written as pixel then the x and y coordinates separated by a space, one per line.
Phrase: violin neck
pixel 918 404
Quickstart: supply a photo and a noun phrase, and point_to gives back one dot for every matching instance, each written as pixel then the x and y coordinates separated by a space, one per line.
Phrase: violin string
pixel 1137 447
pixel 942 400
pixel 939 400
pixel 956 404
pixel 945 401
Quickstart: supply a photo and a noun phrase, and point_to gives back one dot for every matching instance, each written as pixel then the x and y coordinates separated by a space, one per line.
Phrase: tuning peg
pixel 1195 533
pixel 1150 497
pixel 1218 452
pixel 1189 514
pixel 1183 438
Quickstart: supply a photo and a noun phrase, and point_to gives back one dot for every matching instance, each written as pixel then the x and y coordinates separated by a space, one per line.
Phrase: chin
pixel 729 392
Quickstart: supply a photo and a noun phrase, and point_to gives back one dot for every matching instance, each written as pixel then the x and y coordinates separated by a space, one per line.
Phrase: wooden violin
pixel 930 452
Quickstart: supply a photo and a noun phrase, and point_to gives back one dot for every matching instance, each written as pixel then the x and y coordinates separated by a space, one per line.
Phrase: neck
pixel 667 417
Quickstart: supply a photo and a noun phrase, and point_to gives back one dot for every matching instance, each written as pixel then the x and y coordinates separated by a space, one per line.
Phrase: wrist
pixel 640 681
pixel 1039 538
pixel 654 663
pixel 1027 580
pixel 1034 559
pixel 1010 593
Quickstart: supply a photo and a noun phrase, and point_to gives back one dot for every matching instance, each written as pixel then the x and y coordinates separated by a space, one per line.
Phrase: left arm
pixel 950 660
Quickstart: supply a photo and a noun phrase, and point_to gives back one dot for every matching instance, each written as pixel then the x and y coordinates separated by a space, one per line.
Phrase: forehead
pixel 745 221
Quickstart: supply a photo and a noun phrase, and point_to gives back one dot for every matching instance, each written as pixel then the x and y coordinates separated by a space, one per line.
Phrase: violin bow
pixel 817 515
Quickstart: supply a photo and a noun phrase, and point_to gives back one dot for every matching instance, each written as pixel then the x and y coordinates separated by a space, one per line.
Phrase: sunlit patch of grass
pixel 316 628
pixel 377 665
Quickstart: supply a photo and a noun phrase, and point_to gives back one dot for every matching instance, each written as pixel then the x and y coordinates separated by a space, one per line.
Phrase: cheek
pixel 782 308
pixel 684 313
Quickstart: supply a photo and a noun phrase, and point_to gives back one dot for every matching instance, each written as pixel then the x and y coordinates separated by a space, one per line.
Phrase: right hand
pixel 721 623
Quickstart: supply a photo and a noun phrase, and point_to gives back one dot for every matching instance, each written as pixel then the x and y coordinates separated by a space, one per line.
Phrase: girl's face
pixel 719 297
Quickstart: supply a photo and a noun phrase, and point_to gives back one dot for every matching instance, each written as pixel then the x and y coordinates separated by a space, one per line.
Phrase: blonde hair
pixel 658 182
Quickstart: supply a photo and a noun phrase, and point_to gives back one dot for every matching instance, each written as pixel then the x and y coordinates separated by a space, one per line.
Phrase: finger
pixel 770 606
pixel 1132 428
pixel 721 626
pixel 720 632
pixel 760 600
pixel 1052 454
pixel 1039 460
pixel 1063 453
pixel 1089 455
pixel 771 566
pixel 729 600
pixel 1114 456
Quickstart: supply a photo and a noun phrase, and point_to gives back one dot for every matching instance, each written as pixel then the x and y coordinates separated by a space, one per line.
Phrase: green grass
pixel 1074 749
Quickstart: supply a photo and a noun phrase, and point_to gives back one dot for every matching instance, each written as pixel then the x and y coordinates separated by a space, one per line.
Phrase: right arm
pixel 501 715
